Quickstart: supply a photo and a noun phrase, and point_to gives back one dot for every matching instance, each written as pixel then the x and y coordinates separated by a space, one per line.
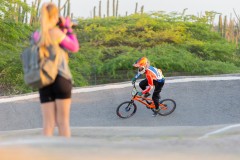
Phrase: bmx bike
pixel 129 108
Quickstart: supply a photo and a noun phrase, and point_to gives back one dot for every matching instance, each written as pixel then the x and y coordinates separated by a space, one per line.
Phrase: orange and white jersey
pixel 152 74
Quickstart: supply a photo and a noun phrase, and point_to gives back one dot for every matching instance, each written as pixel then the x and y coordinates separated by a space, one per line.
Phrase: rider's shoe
pixel 155 113
pixel 146 95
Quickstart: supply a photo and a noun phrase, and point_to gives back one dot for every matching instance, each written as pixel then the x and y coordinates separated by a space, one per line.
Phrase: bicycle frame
pixel 148 102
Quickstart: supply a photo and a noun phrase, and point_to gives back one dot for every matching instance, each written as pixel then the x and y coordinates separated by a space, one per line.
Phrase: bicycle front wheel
pixel 167 106
pixel 126 109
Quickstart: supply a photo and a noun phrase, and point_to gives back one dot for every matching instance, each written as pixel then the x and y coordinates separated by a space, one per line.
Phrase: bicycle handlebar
pixel 134 86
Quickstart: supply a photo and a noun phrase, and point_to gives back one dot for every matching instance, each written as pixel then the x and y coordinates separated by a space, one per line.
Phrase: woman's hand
pixel 66 24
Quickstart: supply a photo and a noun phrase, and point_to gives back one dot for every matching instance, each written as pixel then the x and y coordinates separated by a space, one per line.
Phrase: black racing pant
pixel 156 93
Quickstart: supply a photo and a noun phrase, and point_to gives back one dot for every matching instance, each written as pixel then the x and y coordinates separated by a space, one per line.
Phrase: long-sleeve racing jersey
pixel 152 74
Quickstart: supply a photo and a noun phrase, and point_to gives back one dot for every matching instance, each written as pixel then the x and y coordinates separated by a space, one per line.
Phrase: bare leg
pixel 49 114
pixel 63 116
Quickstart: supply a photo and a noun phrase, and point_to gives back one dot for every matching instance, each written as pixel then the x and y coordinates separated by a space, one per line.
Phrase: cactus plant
pixel 94 12
pixel 142 8
pixel 68 8
pixel 100 9
pixel 220 25
pixel 117 9
pixel 136 7
pixel 113 8
pixel 107 8
pixel 225 27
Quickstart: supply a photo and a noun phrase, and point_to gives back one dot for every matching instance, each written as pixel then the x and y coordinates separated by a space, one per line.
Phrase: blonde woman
pixel 56 98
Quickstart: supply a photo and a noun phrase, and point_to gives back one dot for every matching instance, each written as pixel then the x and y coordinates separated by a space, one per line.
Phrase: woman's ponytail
pixel 45 40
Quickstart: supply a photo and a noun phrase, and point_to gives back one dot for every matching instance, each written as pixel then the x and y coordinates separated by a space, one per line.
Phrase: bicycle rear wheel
pixel 126 109
pixel 167 106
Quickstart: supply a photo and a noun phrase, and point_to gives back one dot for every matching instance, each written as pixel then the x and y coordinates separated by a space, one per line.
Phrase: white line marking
pixel 117 86
pixel 219 131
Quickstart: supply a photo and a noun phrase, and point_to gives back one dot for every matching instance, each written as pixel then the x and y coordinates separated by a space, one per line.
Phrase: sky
pixel 84 8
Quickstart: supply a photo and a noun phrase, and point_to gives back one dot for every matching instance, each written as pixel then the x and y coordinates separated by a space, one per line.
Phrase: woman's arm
pixel 70 42
pixel 35 37
pixel 67 40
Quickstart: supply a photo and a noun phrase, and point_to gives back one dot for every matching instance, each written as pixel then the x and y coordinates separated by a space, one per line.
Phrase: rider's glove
pixel 133 80
pixel 140 93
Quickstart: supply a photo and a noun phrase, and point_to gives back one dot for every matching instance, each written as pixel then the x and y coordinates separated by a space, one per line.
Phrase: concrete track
pixel 205 125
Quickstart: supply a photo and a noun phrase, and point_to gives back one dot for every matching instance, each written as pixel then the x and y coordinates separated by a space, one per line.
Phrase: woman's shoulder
pixel 57 34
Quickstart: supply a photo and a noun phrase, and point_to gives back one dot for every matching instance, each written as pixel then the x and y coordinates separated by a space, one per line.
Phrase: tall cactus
pixel 100 9
pixel 23 13
pixel 68 8
pixel 59 6
pixel 231 30
pixel 107 8
pixel 142 9
pixel 94 12
pixel 38 8
pixel 117 8
pixel 32 16
pixel 225 27
pixel 136 8
pixel 18 11
pixel 64 10
pixel 220 25
pixel 113 8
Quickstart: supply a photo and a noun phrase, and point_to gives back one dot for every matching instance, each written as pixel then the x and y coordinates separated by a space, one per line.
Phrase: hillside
pixel 178 45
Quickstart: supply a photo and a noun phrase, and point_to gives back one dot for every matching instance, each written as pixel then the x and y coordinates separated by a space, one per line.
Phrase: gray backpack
pixel 38 72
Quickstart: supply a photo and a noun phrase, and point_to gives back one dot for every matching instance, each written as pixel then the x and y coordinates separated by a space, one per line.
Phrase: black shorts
pixel 60 89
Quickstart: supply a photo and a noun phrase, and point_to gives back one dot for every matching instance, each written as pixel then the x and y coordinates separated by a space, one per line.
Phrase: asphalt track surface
pixel 199 103
pixel 205 124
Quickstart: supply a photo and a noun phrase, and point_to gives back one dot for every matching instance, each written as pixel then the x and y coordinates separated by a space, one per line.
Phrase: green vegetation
pixel 182 45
